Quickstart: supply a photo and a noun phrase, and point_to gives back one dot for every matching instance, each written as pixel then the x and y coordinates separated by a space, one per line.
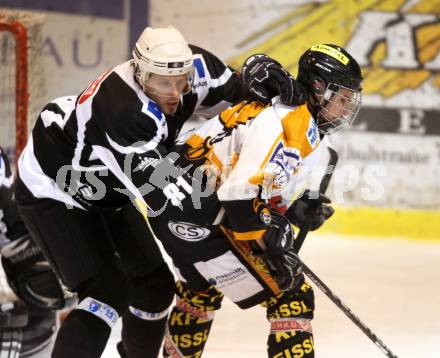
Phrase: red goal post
pixel 22 89
pixel 22 86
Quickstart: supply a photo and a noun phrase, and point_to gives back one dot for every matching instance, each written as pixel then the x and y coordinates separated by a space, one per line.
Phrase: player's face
pixel 166 90
pixel 338 108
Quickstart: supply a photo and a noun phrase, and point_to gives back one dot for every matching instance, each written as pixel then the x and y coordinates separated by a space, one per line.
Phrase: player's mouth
pixel 172 104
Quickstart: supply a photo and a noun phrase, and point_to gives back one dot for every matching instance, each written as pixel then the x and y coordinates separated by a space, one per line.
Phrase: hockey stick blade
pixel 323 185
pixel 347 311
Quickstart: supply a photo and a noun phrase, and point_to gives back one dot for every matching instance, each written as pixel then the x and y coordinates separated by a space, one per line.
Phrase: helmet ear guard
pixel 318 85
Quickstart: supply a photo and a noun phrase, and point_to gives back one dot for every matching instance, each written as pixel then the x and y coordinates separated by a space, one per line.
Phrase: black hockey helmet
pixel 326 70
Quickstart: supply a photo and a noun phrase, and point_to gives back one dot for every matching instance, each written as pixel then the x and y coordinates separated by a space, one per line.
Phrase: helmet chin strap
pixel 316 104
pixel 323 125
pixel 315 109
pixel 313 105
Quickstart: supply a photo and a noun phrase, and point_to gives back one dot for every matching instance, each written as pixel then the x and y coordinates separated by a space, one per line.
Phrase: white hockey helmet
pixel 162 51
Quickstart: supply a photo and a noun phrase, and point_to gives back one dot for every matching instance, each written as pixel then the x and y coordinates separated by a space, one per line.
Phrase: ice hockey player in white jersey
pixel 90 155
pixel 235 242
pixel 27 316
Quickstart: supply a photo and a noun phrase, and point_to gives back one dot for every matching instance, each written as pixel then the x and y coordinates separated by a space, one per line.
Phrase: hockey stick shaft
pixel 333 161
pixel 318 282
pixel 347 311
pixel 322 189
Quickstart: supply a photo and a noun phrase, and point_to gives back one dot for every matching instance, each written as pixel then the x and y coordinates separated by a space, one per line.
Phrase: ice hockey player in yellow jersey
pixel 234 241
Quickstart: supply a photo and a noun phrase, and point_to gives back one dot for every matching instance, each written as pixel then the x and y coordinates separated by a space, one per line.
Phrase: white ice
pixel 393 285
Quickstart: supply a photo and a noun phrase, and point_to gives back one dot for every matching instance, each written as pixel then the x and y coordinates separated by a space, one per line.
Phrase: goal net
pixel 22 87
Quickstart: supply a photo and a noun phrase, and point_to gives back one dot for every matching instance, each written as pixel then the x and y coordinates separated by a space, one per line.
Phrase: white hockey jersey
pixel 249 154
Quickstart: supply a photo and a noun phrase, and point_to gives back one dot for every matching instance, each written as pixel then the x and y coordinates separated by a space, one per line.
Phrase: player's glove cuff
pixel 284 264
pixel 313 206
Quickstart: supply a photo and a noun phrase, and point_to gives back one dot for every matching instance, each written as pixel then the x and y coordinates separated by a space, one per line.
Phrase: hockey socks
pixel 188 331
pixel 85 331
pixel 190 321
pixel 290 344
pixel 290 315
pixel 142 333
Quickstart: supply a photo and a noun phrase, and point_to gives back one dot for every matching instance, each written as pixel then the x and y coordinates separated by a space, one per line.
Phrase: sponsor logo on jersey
pixel 313 134
pixel 187 231
pixel 265 216
pixel 94 306
pixel 235 275
pixel 200 84
pixel 145 163
pixel 287 158
pixel 99 309
pixel 92 88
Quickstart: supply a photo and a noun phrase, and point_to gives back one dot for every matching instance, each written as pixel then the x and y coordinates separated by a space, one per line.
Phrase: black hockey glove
pixel 30 276
pixel 282 261
pixel 311 205
pixel 266 78
pixel 39 333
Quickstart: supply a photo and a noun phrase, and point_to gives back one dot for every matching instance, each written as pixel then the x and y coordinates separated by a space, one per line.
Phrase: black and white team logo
pixel 188 232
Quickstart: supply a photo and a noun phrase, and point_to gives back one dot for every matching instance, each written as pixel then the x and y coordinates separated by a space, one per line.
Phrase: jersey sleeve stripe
pixel 249 235
pixel 199 67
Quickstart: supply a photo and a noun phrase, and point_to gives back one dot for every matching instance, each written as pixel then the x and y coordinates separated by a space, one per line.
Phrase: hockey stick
pixel 322 189
pixel 347 311
pixel 318 282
